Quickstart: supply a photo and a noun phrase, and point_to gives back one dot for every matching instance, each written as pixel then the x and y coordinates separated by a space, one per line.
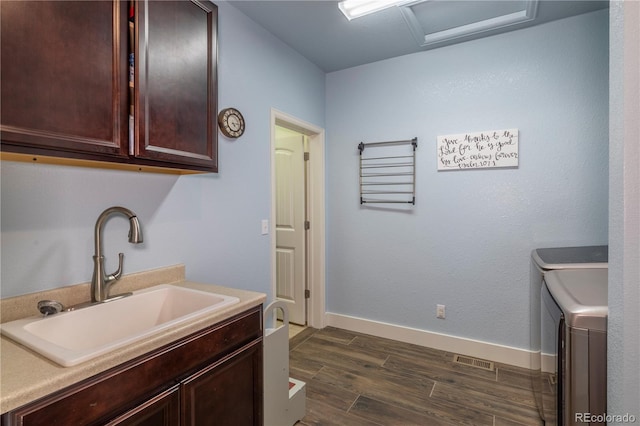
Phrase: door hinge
pixel 307 294
pixel 307 225
pixel 306 156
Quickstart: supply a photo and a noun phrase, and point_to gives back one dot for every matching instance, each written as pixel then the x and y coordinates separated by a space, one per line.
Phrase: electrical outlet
pixel 440 311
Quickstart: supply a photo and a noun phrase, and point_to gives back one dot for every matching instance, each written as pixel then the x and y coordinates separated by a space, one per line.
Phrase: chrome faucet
pixel 101 282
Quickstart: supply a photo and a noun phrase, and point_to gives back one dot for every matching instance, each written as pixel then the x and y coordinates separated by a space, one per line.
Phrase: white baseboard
pixel 459 345
pixel 549 362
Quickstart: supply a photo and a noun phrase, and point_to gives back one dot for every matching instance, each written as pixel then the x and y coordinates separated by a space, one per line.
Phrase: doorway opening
pixel 298 218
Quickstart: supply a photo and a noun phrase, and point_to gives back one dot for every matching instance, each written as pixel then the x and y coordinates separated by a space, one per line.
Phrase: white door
pixel 290 220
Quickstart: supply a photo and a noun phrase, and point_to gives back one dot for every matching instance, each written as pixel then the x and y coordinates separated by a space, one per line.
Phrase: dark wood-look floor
pixel 357 379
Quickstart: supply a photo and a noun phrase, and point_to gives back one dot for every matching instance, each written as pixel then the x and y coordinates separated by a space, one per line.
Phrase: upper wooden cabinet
pixel 65 88
pixel 175 105
pixel 63 82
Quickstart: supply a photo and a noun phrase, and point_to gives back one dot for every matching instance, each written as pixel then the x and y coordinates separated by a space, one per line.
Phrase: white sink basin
pixel 70 338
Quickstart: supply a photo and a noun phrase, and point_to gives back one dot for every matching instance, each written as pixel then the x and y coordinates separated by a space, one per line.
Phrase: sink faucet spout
pixel 101 282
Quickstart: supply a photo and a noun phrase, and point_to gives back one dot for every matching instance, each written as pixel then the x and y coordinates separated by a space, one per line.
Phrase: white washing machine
pixel 543 343
pixel 577 305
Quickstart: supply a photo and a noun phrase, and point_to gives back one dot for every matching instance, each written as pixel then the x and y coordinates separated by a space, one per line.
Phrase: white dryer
pixel 543 343
pixel 577 304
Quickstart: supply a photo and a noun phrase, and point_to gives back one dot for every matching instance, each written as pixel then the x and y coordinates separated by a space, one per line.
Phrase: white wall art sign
pixel 480 150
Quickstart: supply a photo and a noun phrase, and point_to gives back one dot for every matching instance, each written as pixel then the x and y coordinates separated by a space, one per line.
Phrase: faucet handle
pixel 117 274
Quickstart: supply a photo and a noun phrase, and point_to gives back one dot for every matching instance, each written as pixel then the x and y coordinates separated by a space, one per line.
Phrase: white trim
pixel 548 363
pixel 316 264
pixel 460 345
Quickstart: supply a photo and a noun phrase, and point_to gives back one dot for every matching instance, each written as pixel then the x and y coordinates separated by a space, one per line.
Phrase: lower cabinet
pixel 213 377
pixel 225 393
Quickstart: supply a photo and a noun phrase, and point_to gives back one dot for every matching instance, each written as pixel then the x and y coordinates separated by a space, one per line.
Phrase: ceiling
pixel 318 30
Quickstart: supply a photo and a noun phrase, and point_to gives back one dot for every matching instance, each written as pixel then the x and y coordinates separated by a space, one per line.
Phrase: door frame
pixel 316 213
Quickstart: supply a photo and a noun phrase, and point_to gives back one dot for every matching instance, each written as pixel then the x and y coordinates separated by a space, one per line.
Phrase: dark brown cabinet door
pixel 163 410
pixel 64 79
pixel 226 393
pixel 176 100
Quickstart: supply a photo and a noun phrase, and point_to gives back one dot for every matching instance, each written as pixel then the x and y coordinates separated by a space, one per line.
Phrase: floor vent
pixel 473 362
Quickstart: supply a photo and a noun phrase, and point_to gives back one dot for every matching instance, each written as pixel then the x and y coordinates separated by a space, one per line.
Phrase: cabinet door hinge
pixel 306 156
pixel 307 225
pixel 307 294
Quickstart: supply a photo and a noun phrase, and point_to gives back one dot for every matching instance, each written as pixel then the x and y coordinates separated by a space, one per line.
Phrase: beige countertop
pixel 26 376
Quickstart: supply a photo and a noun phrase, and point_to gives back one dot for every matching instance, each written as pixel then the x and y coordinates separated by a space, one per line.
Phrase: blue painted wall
pixel 466 243
pixel 211 223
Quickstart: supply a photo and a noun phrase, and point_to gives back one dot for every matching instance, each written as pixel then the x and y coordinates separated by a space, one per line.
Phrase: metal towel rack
pixel 390 175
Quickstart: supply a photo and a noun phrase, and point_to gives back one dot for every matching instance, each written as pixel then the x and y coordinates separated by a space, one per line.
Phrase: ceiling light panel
pixel 438 21
pixel 356 8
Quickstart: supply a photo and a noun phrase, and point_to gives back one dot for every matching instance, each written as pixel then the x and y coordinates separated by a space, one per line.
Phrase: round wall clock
pixel 231 122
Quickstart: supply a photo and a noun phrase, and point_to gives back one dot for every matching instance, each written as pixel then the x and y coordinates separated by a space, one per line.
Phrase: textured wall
pixel 209 222
pixel 466 243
